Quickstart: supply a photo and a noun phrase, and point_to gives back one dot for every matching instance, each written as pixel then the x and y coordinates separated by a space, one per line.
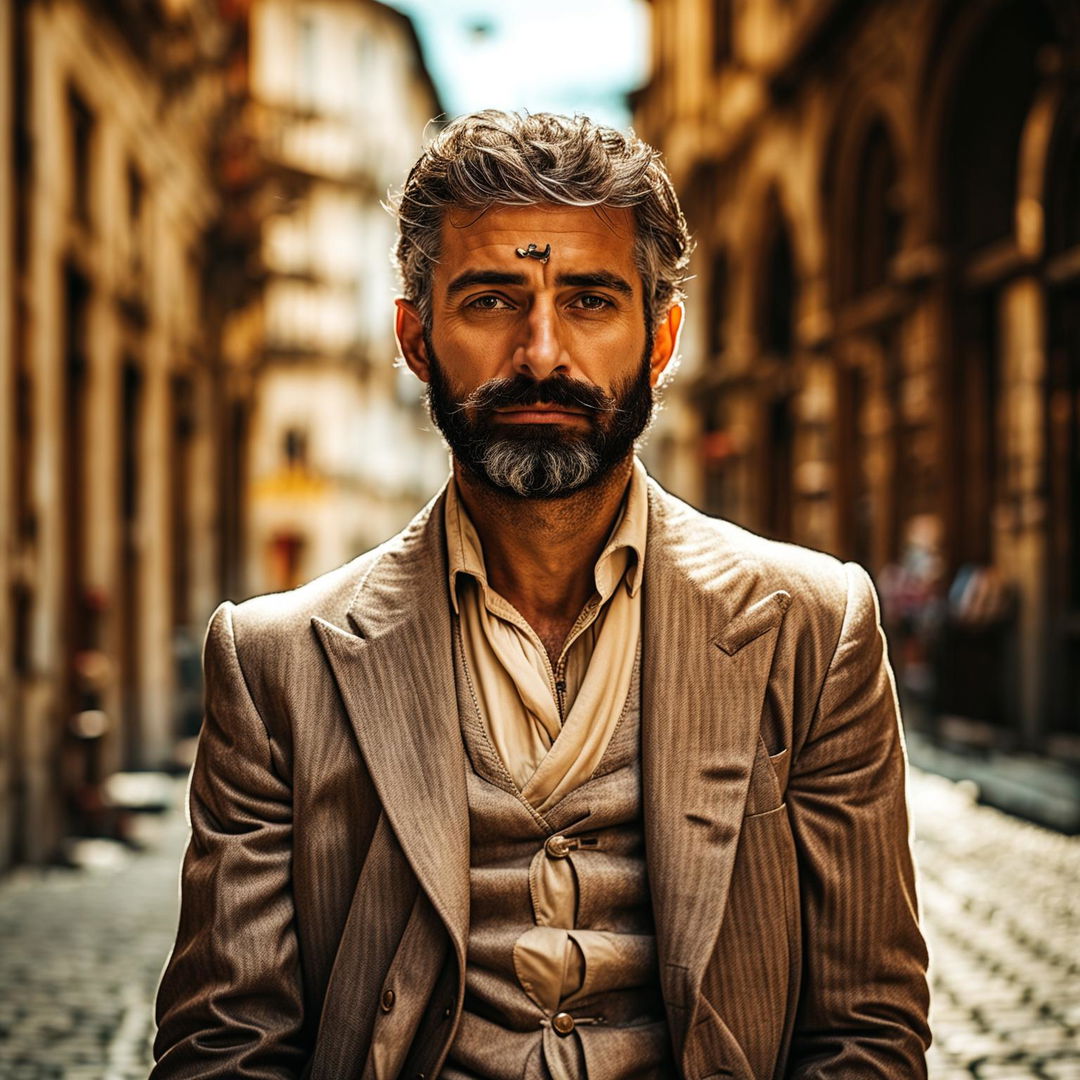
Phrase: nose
pixel 542 352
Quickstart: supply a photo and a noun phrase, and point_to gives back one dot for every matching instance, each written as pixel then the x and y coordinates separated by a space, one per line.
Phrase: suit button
pixel 558 847
pixel 388 998
pixel 563 1023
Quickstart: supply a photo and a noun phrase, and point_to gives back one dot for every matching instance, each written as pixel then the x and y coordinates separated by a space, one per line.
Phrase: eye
pixel 488 303
pixel 593 302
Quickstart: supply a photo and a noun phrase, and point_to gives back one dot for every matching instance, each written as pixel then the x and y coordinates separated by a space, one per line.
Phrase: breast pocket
pixel 768 781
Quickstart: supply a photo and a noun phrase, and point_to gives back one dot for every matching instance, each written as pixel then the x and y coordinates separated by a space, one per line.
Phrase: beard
pixel 540 461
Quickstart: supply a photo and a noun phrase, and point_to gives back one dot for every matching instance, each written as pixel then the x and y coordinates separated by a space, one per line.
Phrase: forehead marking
pixel 533 252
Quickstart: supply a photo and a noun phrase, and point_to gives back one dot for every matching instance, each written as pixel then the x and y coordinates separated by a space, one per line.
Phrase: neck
pixel 540 553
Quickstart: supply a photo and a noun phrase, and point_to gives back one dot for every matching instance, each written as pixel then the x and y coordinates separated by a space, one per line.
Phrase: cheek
pixel 620 335
pixel 471 348
pixel 609 357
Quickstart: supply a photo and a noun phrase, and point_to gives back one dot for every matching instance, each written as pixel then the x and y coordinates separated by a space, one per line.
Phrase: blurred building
pixel 882 353
pixel 196 356
pixel 112 550
pixel 340 451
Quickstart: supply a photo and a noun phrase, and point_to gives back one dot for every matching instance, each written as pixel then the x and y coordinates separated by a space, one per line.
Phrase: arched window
pixel 722 29
pixel 878 218
pixel 718 303
pixel 991 101
pixel 1063 184
pixel 776 327
pixel 862 188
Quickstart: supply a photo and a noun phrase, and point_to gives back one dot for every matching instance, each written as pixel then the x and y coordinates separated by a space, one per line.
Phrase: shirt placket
pixel 556 675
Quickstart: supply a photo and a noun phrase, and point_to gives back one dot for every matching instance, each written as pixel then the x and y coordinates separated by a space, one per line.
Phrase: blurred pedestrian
pixel 913 609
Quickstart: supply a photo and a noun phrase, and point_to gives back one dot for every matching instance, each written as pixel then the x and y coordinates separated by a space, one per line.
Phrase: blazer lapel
pixel 709 637
pixel 396 679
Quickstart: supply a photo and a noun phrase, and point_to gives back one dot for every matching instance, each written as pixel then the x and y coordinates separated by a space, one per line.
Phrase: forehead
pixel 581 238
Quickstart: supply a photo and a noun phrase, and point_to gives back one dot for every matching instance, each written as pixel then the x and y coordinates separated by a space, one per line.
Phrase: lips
pixel 537 414
pixel 538 407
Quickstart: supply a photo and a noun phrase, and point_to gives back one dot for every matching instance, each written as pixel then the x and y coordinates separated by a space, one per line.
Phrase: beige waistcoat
pixel 528 1015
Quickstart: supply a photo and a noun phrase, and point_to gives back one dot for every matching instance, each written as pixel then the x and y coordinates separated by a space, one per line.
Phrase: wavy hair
pixel 494 158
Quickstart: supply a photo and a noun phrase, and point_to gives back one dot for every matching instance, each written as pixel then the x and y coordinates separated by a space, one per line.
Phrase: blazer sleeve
pixel 864 997
pixel 229 1003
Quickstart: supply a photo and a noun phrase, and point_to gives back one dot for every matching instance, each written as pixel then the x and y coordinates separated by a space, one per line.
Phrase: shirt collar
pixel 622 559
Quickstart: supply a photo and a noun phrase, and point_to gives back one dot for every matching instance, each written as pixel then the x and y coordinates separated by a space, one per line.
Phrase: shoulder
pixel 279 620
pixel 279 616
pixel 715 551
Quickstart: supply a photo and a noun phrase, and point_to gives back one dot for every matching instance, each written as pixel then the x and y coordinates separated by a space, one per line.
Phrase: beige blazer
pixel 325 889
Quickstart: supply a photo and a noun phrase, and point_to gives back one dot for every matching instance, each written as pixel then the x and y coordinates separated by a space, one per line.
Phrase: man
pixel 566 780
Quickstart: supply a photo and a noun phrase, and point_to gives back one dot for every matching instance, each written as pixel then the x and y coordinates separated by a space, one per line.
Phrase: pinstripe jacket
pixel 325 888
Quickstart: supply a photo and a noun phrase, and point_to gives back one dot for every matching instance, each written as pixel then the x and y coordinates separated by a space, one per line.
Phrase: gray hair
pixel 538 472
pixel 494 158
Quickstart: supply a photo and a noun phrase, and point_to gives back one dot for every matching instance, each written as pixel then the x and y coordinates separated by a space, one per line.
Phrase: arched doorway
pixel 867 219
pixel 992 92
pixel 1063 429
pixel 775 329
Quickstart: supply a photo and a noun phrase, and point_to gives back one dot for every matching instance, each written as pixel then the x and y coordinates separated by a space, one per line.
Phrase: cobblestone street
pixel 81 951
pixel 1001 903
pixel 80 955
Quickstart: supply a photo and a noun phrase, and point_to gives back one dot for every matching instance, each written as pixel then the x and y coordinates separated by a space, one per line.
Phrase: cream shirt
pixel 551 725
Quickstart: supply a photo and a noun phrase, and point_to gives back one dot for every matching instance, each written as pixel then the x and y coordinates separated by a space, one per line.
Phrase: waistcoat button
pixel 558 847
pixel 388 997
pixel 563 1023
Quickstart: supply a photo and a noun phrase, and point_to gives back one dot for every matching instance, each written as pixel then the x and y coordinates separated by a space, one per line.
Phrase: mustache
pixel 554 390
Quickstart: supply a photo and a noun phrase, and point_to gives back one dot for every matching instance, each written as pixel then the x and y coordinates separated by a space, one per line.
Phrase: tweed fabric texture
pixel 776 831
pixel 551 933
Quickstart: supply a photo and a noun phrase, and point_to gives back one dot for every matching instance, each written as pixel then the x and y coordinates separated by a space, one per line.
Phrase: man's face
pixel 540 373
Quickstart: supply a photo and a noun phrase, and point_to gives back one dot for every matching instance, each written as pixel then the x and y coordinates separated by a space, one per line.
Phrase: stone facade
pixel 110 552
pixel 340 452
pixel 882 355
pixel 7 442
pixel 198 399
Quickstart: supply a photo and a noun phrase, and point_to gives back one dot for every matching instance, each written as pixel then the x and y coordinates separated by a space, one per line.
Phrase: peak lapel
pixel 709 637
pixel 396 679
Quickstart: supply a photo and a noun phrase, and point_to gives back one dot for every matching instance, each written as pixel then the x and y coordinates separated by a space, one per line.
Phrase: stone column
pixel 7 424
pixel 1020 516
pixel 157 675
pixel 48 201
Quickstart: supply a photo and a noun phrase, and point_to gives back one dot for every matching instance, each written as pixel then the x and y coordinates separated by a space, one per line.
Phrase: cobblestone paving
pixel 1001 903
pixel 81 951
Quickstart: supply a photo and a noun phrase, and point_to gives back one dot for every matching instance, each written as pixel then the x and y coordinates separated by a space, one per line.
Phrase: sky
pixel 558 55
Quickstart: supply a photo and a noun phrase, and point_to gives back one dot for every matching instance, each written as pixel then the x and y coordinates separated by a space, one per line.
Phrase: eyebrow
pixel 595 279
pixel 483 277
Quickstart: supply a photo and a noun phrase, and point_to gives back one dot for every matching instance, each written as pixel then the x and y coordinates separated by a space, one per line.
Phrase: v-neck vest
pixel 597 1013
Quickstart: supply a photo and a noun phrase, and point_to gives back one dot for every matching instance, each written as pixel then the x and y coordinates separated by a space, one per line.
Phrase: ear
pixel 665 343
pixel 409 330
